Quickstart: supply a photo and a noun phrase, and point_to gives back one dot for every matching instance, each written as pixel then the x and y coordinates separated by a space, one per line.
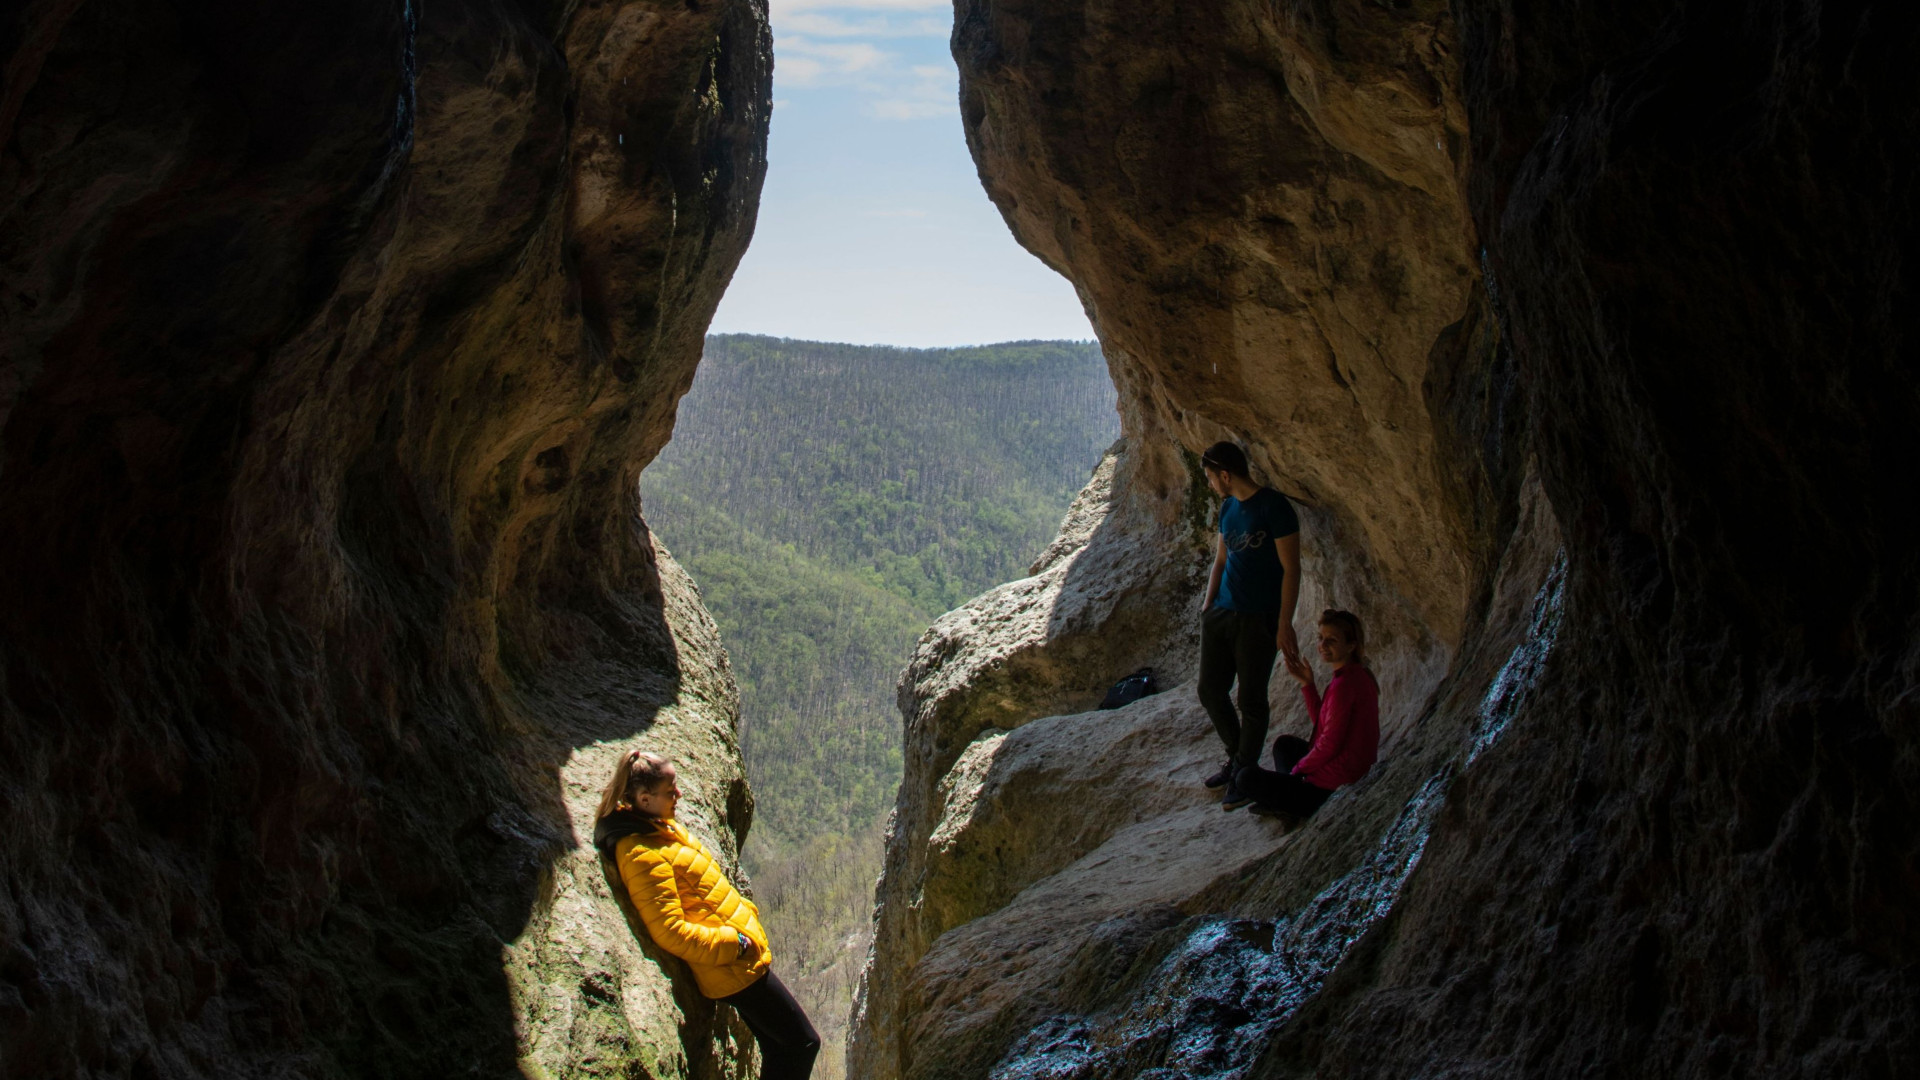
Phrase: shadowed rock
pixel 334 339
pixel 1474 284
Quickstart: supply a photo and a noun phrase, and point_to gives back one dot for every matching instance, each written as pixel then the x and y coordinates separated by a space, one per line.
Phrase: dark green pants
pixel 1238 646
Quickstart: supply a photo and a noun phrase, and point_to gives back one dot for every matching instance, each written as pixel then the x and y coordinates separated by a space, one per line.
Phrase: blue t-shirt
pixel 1253 575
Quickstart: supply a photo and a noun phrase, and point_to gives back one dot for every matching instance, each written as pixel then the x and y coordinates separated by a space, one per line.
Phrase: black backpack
pixel 1131 689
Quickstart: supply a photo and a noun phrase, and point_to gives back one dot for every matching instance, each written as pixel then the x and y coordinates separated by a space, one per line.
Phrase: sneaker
pixel 1233 799
pixel 1220 779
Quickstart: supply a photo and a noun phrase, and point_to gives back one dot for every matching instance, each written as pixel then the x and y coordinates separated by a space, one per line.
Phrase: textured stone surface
pixel 1093 610
pixel 592 994
pixel 1644 299
pixel 1068 857
pixel 1263 209
pixel 334 340
pixel 1204 997
pixel 1118 588
pixel 1698 829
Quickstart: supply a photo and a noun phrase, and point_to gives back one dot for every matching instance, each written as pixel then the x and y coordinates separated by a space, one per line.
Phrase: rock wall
pixel 1264 212
pixel 1691 213
pixel 1581 335
pixel 334 340
pixel 1095 603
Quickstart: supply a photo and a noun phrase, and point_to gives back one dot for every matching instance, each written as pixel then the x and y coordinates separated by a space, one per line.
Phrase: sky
pixel 873 228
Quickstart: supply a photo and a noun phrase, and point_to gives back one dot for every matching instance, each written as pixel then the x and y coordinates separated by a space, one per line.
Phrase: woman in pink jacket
pixel 1346 728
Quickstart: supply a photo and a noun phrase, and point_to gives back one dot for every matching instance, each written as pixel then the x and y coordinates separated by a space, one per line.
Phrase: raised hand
pixel 1297 667
pixel 1288 644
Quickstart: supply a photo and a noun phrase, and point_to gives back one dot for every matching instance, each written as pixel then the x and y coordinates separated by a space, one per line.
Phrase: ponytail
pixel 638 771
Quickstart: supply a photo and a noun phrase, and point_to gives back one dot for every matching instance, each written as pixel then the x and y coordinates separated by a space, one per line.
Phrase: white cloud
pixel 800 61
pixel 838 43
pixel 929 91
pixel 908 109
pixel 878 26
pixel 845 57
pixel 800 71
pixel 787 7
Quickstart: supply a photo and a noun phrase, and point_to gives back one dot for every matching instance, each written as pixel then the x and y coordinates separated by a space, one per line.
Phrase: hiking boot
pixel 1222 778
pixel 1234 799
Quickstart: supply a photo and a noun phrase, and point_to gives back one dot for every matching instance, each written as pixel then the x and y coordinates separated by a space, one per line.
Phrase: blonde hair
pixel 638 771
pixel 1349 626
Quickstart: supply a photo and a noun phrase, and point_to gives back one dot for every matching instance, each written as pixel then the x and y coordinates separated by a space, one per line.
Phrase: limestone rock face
pixel 1263 208
pixel 1690 215
pixel 334 339
pixel 1136 928
pixel 1093 610
pixel 592 994
pixel 1580 334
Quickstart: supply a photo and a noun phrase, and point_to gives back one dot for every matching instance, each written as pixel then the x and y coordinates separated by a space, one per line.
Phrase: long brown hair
pixel 638 771
pixel 1349 626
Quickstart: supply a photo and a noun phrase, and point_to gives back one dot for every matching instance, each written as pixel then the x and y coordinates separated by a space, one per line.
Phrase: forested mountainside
pixel 832 500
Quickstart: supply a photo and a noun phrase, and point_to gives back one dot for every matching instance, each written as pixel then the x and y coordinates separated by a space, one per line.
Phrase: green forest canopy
pixel 832 501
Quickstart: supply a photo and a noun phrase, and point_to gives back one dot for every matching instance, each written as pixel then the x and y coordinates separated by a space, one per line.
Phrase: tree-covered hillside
pixel 832 500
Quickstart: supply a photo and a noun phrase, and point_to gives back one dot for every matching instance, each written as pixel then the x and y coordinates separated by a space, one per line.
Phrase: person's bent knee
pixel 1253 780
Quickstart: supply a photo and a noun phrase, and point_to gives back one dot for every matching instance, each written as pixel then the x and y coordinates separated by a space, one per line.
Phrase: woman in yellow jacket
pixel 694 913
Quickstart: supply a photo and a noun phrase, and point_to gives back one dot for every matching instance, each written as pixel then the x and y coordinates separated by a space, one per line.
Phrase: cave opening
pixel 333 343
pixel 895 406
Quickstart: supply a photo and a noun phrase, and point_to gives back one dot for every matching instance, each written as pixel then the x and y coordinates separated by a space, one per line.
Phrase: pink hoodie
pixel 1346 729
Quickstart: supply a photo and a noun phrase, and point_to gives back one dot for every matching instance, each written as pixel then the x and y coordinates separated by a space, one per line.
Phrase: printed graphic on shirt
pixel 1241 541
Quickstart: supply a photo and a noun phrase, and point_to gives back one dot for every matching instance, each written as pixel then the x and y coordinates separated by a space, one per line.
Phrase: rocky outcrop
pixel 334 339
pixel 1263 208
pixel 1038 855
pixel 1095 604
pixel 1140 930
pixel 1478 286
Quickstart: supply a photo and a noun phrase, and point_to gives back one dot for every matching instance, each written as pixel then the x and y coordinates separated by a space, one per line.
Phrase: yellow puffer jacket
pixel 691 909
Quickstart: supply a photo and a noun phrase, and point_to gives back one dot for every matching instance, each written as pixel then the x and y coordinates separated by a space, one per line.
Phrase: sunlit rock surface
pixel 1226 984
pixel 1095 604
pixel 1263 209
pixel 1068 860
pixel 592 994
pixel 333 339
pixel 1581 336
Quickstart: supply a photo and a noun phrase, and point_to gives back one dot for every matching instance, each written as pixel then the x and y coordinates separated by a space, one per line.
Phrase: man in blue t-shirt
pixel 1248 616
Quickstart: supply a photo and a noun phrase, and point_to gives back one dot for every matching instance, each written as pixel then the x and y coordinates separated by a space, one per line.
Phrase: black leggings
pixel 1282 790
pixel 1237 645
pixel 788 1043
